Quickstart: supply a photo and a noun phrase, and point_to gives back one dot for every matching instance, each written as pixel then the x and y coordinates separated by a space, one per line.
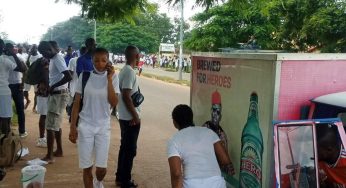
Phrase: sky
pixel 28 20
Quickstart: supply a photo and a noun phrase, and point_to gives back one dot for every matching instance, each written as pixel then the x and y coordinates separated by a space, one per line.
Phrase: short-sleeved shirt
pixel 195 147
pixel 57 65
pixel 96 108
pixel 336 173
pixel 15 77
pixel 67 59
pixel 23 56
pixel 5 67
pixel 33 58
pixel 84 64
pixel 127 80
pixel 72 67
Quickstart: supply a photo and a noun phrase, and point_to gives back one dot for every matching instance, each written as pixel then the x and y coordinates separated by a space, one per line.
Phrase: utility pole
pixel 181 39
pixel 95 29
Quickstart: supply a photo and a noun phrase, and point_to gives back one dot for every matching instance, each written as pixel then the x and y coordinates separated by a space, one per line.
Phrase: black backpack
pixel 35 72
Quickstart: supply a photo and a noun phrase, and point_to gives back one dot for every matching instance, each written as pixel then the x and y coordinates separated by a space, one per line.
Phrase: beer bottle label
pixel 250 169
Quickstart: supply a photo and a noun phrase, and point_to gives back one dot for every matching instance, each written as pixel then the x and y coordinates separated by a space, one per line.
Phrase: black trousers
pixel 128 150
pixel 18 98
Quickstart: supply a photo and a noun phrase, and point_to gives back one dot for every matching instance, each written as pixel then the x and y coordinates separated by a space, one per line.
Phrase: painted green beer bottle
pixel 251 149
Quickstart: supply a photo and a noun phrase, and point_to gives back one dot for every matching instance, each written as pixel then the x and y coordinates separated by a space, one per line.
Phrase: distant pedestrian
pixel 194 153
pixel 57 99
pixel 68 55
pixel 99 96
pixel 129 119
pixel 84 62
pixel 73 83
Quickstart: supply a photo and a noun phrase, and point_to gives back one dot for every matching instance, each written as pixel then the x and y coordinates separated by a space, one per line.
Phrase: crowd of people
pixel 74 82
pixel 85 84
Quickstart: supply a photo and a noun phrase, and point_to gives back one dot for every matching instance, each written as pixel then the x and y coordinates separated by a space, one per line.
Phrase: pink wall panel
pixel 304 80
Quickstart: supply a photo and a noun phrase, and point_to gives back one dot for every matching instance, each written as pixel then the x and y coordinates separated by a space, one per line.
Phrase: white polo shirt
pixel 96 108
pixel 5 67
pixel 127 80
pixel 15 77
pixel 57 65
pixel 195 147
pixel 72 66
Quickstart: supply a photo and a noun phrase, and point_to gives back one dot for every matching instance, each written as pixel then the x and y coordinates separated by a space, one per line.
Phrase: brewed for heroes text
pixel 205 66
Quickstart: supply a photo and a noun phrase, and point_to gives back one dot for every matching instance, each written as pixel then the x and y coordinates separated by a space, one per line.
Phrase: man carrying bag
pixel 129 118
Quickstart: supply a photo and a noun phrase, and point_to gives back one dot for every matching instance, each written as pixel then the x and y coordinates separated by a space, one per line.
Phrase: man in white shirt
pixel 15 84
pixel 5 93
pixel 58 95
pixel 33 56
pixel 72 67
pixel 129 119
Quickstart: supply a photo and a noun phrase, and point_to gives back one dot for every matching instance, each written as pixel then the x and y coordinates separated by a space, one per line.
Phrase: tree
pixel 156 23
pixel 70 33
pixel 292 25
pixel 3 35
pixel 117 37
pixel 306 24
pixel 111 10
pixel 226 26
pixel 147 31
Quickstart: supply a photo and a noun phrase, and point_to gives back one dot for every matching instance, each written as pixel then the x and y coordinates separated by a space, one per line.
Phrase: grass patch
pixel 171 69
pixel 14 119
pixel 167 79
pixel 163 78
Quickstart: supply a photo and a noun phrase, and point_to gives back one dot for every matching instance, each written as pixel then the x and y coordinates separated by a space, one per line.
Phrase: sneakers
pixel 97 184
pixel 23 135
pixel 42 142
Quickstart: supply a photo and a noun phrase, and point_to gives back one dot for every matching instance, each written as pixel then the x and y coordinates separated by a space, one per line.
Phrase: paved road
pixel 161 72
pixel 150 166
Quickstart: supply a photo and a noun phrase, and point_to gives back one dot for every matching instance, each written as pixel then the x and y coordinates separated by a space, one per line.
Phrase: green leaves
pixel 111 10
pixel 291 25
pixel 146 30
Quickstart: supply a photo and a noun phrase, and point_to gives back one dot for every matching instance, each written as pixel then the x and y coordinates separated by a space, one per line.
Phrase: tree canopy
pixel 147 32
pixel 292 25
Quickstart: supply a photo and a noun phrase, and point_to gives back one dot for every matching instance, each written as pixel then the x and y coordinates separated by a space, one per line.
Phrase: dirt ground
pixel 150 166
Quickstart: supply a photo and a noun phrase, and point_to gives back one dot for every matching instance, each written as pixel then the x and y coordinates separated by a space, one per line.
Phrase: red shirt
pixel 336 172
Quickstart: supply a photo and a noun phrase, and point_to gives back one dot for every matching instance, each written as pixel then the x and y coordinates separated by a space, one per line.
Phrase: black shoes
pixel 129 184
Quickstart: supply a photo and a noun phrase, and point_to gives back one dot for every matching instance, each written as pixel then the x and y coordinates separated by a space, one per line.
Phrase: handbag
pixel 137 98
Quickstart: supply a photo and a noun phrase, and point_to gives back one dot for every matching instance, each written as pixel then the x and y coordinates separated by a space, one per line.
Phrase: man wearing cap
pixel 214 124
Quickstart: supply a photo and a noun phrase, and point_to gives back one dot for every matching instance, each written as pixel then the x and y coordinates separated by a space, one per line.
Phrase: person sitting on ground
pixel 99 97
pixel 185 164
pixel 331 156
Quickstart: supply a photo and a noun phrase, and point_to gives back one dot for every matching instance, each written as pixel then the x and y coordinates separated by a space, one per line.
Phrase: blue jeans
pixel 18 98
pixel 128 150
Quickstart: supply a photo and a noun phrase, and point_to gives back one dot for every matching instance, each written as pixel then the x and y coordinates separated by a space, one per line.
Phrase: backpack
pixel 34 74
pixel 9 146
pixel 85 79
